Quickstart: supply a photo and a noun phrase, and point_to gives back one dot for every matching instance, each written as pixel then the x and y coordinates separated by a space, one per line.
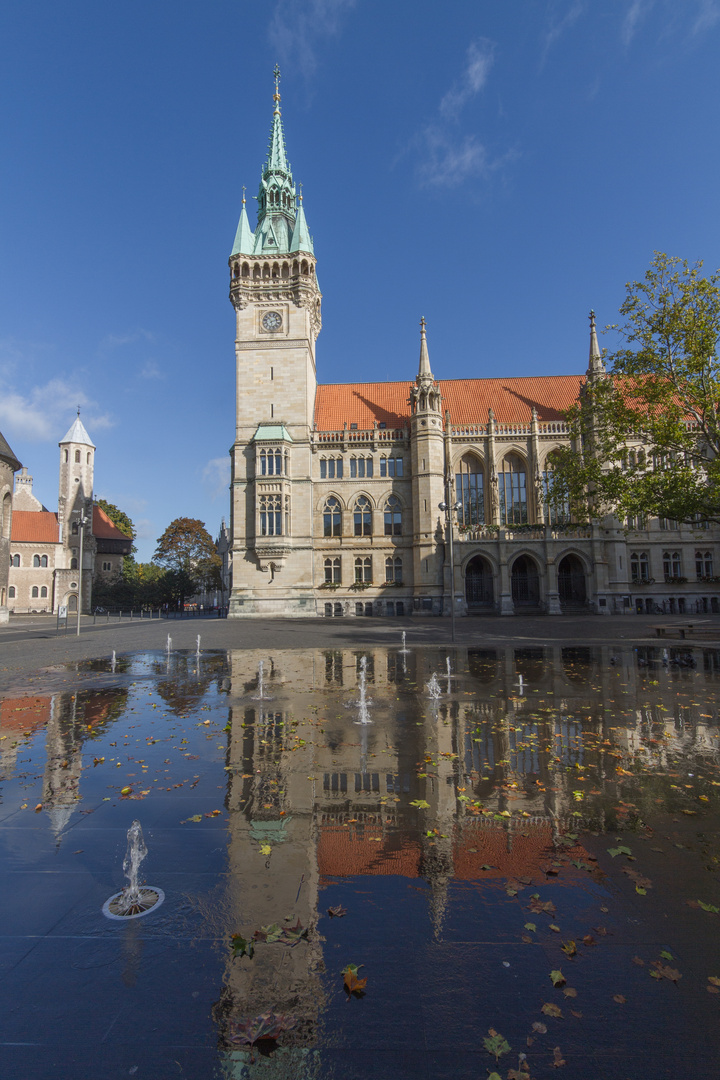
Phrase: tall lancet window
pixel 513 491
pixel 469 491
pixel 270 515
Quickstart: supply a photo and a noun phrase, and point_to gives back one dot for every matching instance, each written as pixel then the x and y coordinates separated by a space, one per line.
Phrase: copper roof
pixel 34 527
pixel 468 400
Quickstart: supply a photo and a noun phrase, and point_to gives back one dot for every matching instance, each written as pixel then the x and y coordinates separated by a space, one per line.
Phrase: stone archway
pixel 525 583
pixel 572 587
pixel 479 583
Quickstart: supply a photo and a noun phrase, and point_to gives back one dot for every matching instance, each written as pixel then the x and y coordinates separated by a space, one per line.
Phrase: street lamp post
pixel 449 509
pixel 82 522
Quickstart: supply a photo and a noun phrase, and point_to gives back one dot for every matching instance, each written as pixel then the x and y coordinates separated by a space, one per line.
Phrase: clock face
pixel 272 321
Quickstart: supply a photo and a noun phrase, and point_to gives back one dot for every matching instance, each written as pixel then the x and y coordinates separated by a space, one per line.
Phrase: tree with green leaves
pixel 187 550
pixel 645 432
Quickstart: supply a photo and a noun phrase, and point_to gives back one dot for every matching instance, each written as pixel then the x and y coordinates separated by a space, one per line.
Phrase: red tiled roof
pixel 104 528
pixel 24 713
pixel 342 853
pixel 468 400
pixel 34 526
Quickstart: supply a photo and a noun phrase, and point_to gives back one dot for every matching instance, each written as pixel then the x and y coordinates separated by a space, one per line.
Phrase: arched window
pixel 469 491
pixel 555 514
pixel 77 456
pixel 11 592
pixel 36 560
pixel 65 455
pixel 363 570
pixel 332 571
pixel 43 591
pixel 672 564
pixel 43 560
pixel 393 568
pixel 362 517
pixel 74 528
pixel 512 482
pixel 15 560
pixel 73 564
pixel 88 458
pixel 35 592
pixel 703 564
pixel 271 462
pixel 270 515
pixel 332 518
pixel 639 566
pixel 393 517
pixel 6 514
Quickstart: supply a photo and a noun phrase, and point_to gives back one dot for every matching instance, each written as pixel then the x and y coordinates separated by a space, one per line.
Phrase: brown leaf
pixel 714 980
pixel 666 972
pixel 576 1012
pixel 337 912
pixel 712 989
pixel 527 939
pixel 558 1059
pixel 353 985
pixel 639 961
pixel 539 1027
pixel 551 1010
pixel 569 991
pixel 569 948
pixel 538 906
pixel 589 940
pixel 619 998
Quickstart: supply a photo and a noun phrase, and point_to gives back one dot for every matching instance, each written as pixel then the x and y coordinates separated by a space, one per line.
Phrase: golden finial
pixel 243 202
pixel 300 195
pixel 276 95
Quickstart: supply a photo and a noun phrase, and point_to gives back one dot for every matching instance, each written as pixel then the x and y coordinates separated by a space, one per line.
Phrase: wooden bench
pixel 674 630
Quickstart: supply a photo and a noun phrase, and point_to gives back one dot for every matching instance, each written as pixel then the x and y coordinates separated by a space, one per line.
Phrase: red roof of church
pixel 34 526
pixel 468 400
pixel 104 528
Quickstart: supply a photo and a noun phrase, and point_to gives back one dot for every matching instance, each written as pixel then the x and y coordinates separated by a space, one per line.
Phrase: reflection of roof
pixel 104 528
pixel 24 713
pixel 341 852
pixel 522 852
pixel 468 400
pixel 34 526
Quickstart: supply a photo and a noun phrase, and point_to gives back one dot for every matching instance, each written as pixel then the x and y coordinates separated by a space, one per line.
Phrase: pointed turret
pixel 302 240
pixel 596 364
pixel 424 373
pixel 244 237
pixel 276 195
pixel 77 434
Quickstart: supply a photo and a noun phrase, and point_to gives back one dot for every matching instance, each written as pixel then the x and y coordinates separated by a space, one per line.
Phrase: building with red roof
pixel 46 548
pixel 422 495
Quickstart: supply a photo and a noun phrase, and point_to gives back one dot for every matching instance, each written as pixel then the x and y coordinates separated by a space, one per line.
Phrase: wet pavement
pixel 527 865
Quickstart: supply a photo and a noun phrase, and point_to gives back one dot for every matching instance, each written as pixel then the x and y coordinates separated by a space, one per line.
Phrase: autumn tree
pixel 187 550
pixel 646 432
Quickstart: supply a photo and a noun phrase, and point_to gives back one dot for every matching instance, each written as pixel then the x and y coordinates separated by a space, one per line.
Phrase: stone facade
pixel 45 546
pixel 9 465
pixel 404 498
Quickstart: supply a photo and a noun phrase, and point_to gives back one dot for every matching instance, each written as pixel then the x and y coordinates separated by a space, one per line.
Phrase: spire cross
pixel 78 410
pixel 276 95
pixel 422 324
pixel 591 317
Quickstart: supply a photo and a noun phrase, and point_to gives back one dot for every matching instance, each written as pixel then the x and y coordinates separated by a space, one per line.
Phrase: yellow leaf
pixel 265 849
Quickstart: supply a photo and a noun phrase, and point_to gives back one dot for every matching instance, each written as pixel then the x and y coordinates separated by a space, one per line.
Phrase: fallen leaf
pixel 706 907
pixel 558 1059
pixel 665 972
pixel 265 849
pixel 569 948
pixel 421 804
pixel 576 1012
pixel 714 980
pixel 241 947
pixel 268 1025
pixel 352 984
pixel 639 961
pixel 495 1044
pixel 557 978
pixel 337 912
pixel 551 1010
pixel 539 1027
pixel 667 955
pixel 619 851
pixel 555 928
pixel 538 906
pixel 619 998
pixel 569 991
pixel 589 940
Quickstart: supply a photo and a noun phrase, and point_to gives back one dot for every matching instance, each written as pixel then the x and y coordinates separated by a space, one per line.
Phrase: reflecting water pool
pixel 378 863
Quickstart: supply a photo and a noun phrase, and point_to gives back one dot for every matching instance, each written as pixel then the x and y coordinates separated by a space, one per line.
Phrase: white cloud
pixel 708 14
pixel 44 413
pixel 634 15
pixel 297 26
pixel 449 161
pixel 150 370
pixel 559 23
pixel 216 477
pixel 480 56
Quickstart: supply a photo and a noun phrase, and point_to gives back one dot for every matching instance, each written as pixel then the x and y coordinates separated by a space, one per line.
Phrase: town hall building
pixel 406 497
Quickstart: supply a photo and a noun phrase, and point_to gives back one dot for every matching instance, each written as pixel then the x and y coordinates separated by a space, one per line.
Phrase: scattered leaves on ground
pixel 267 1025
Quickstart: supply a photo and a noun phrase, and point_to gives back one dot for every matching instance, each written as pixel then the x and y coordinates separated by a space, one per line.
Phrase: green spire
pixel 244 237
pixel 301 239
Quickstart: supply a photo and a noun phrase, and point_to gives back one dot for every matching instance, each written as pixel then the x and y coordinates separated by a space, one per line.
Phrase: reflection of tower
pixel 270 800
pixel 63 768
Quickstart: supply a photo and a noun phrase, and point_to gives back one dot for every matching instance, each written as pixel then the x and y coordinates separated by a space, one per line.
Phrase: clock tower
pixel 277 302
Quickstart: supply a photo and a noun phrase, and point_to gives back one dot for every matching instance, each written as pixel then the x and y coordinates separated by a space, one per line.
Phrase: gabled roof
pixel 34 527
pixel 103 528
pixel 468 400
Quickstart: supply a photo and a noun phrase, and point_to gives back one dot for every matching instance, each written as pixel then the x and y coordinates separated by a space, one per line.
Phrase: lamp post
pixel 449 509
pixel 82 522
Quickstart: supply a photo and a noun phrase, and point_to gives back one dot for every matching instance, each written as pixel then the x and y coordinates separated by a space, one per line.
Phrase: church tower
pixel 274 290
pixel 75 505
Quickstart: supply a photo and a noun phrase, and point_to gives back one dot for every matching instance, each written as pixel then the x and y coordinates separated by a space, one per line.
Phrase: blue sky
pixel 500 168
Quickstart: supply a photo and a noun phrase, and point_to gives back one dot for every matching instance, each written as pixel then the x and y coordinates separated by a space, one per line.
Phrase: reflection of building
pixel 45 546
pixel 9 465
pixel 335 488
